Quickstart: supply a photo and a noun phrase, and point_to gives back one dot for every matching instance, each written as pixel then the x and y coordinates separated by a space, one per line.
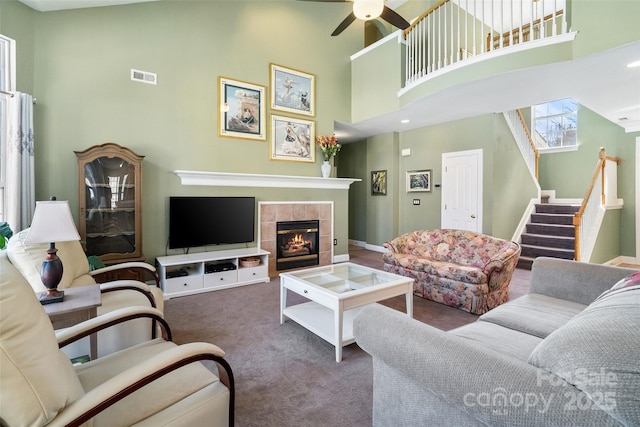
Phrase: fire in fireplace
pixel 297 243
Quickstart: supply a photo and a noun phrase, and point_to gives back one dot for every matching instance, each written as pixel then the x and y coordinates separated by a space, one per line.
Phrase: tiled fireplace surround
pixel 269 213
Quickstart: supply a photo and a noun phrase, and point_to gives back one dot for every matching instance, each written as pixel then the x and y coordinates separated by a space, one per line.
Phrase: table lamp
pixel 52 222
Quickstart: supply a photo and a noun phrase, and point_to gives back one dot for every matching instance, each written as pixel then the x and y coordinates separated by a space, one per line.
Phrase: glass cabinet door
pixel 110 216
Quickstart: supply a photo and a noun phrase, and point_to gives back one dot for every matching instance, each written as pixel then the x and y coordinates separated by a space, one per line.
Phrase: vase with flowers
pixel 329 147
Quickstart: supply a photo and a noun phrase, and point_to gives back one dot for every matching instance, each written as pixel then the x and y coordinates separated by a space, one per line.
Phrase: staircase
pixel 550 232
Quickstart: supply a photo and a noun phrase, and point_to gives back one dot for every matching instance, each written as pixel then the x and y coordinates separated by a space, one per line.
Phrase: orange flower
pixel 328 145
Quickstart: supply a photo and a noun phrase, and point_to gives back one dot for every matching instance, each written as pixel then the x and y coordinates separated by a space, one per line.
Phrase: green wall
pixel 508 186
pixel 17 22
pixel 81 59
pixel 382 210
pixel 352 162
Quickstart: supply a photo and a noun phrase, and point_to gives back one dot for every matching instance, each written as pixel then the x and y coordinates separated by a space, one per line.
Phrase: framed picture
pixel 292 91
pixel 242 110
pixel 292 139
pixel 419 181
pixel 379 183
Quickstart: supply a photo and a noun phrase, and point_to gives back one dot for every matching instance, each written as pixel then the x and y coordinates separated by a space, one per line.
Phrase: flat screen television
pixel 202 221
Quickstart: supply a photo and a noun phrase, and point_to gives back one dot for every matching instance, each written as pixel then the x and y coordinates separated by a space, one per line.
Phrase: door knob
pixel 473 215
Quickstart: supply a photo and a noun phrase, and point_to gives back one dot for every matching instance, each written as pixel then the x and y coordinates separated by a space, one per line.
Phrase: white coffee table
pixel 337 294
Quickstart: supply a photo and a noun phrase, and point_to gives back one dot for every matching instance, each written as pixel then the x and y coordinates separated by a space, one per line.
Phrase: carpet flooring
pixel 285 375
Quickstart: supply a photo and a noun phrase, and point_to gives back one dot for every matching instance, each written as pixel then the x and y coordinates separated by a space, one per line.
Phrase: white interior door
pixel 462 190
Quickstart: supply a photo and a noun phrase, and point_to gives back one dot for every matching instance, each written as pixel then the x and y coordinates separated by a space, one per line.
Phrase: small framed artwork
pixel 292 91
pixel 242 110
pixel 419 181
pixel 379 183
pixel 292 139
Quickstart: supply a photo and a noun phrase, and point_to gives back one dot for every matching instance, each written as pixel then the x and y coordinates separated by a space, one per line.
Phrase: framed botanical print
pixel 379 183
pixel 292 139
pixel 292 91
pixel 419 181
pixel 242 110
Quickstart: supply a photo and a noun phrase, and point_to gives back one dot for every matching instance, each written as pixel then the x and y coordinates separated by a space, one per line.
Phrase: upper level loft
pixel 463 58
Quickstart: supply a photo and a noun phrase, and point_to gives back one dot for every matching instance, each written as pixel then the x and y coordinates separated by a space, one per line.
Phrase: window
pixel 7 85
pixel 556 124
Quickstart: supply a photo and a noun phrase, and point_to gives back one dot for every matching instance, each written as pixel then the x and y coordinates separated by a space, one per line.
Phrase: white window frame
pixel 562 148
pixel 7 87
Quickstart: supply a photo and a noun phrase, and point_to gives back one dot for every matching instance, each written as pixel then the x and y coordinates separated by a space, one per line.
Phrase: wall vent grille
pixel 144 77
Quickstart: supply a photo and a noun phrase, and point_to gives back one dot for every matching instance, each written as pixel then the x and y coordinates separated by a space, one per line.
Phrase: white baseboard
pixel 376 248
pixel 340 258
pixel 367 246
pixel 622 260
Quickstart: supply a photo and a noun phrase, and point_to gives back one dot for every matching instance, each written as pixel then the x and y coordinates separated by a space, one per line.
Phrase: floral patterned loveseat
pixel 460 268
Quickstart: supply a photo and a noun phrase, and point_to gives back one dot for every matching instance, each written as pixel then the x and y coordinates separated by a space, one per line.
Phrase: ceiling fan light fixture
pixel 367 9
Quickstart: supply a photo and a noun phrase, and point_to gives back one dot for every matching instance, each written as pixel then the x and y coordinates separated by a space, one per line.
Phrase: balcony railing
pixel 452 31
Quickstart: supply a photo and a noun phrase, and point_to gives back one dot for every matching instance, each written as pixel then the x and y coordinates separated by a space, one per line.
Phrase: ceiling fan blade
pixel 393 18
pixel 344 24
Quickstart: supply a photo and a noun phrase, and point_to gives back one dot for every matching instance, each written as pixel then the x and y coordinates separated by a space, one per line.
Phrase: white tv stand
pixel 195 278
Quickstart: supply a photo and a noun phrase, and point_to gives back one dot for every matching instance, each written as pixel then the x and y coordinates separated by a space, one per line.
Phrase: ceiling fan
pixel 367 10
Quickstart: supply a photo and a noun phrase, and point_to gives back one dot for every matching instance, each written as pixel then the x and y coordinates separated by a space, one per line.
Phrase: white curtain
pixel 20 187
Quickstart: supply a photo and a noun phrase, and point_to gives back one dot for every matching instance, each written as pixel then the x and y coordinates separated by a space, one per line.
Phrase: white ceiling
pixel 603 83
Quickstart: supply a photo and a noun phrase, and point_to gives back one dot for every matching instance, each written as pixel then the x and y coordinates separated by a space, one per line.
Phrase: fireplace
pixel 297 244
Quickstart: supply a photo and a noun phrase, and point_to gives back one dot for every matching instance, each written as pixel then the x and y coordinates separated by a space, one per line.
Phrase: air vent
pixel 144 77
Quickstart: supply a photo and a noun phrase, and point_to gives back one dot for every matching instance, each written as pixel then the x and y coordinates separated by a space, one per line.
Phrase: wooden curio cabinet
pixel 110 205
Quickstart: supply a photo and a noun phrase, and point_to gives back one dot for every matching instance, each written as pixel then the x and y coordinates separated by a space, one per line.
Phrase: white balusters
pixel 441 39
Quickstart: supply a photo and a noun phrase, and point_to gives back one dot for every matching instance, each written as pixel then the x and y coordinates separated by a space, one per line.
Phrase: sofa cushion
pixel 534 314
pixel 629 282
pixel 597 351
pixel 500 339
pixel 449 270
pixel 37 379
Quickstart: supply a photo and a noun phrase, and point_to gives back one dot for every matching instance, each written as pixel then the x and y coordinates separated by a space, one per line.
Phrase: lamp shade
pixel 367 9
pixel 52 222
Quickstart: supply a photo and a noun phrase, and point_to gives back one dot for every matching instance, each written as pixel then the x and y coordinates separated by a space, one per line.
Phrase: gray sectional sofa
pixel 566 354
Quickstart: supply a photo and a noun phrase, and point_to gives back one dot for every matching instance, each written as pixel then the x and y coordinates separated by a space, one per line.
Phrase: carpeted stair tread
pixel 554 208
pixel 551 229
pixel 546 218
pixel 525 262
pixel 536 251
pixel 551 241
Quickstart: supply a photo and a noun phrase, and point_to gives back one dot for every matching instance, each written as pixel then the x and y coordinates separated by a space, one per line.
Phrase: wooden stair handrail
pixel 577 217
pixel 530 138
pixel 525 27
pixel 422 16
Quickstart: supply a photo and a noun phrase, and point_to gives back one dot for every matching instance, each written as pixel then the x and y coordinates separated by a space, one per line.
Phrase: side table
pixel 79 304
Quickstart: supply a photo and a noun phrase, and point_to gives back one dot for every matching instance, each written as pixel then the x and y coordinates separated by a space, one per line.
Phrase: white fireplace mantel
pixel 226 179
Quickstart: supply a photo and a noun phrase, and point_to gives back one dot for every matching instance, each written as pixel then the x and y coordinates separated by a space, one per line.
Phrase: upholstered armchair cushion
pixel 28 259
pixel 31 392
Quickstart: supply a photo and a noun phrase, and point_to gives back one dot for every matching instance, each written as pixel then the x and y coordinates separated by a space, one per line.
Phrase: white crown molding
pixel 225 179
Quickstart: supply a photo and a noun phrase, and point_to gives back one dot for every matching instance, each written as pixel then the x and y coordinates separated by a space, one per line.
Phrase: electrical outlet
pixel 335 242
pixel 416 202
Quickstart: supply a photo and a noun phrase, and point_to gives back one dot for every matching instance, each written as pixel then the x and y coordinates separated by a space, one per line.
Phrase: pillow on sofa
pixel 597 351
pixel 628 283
